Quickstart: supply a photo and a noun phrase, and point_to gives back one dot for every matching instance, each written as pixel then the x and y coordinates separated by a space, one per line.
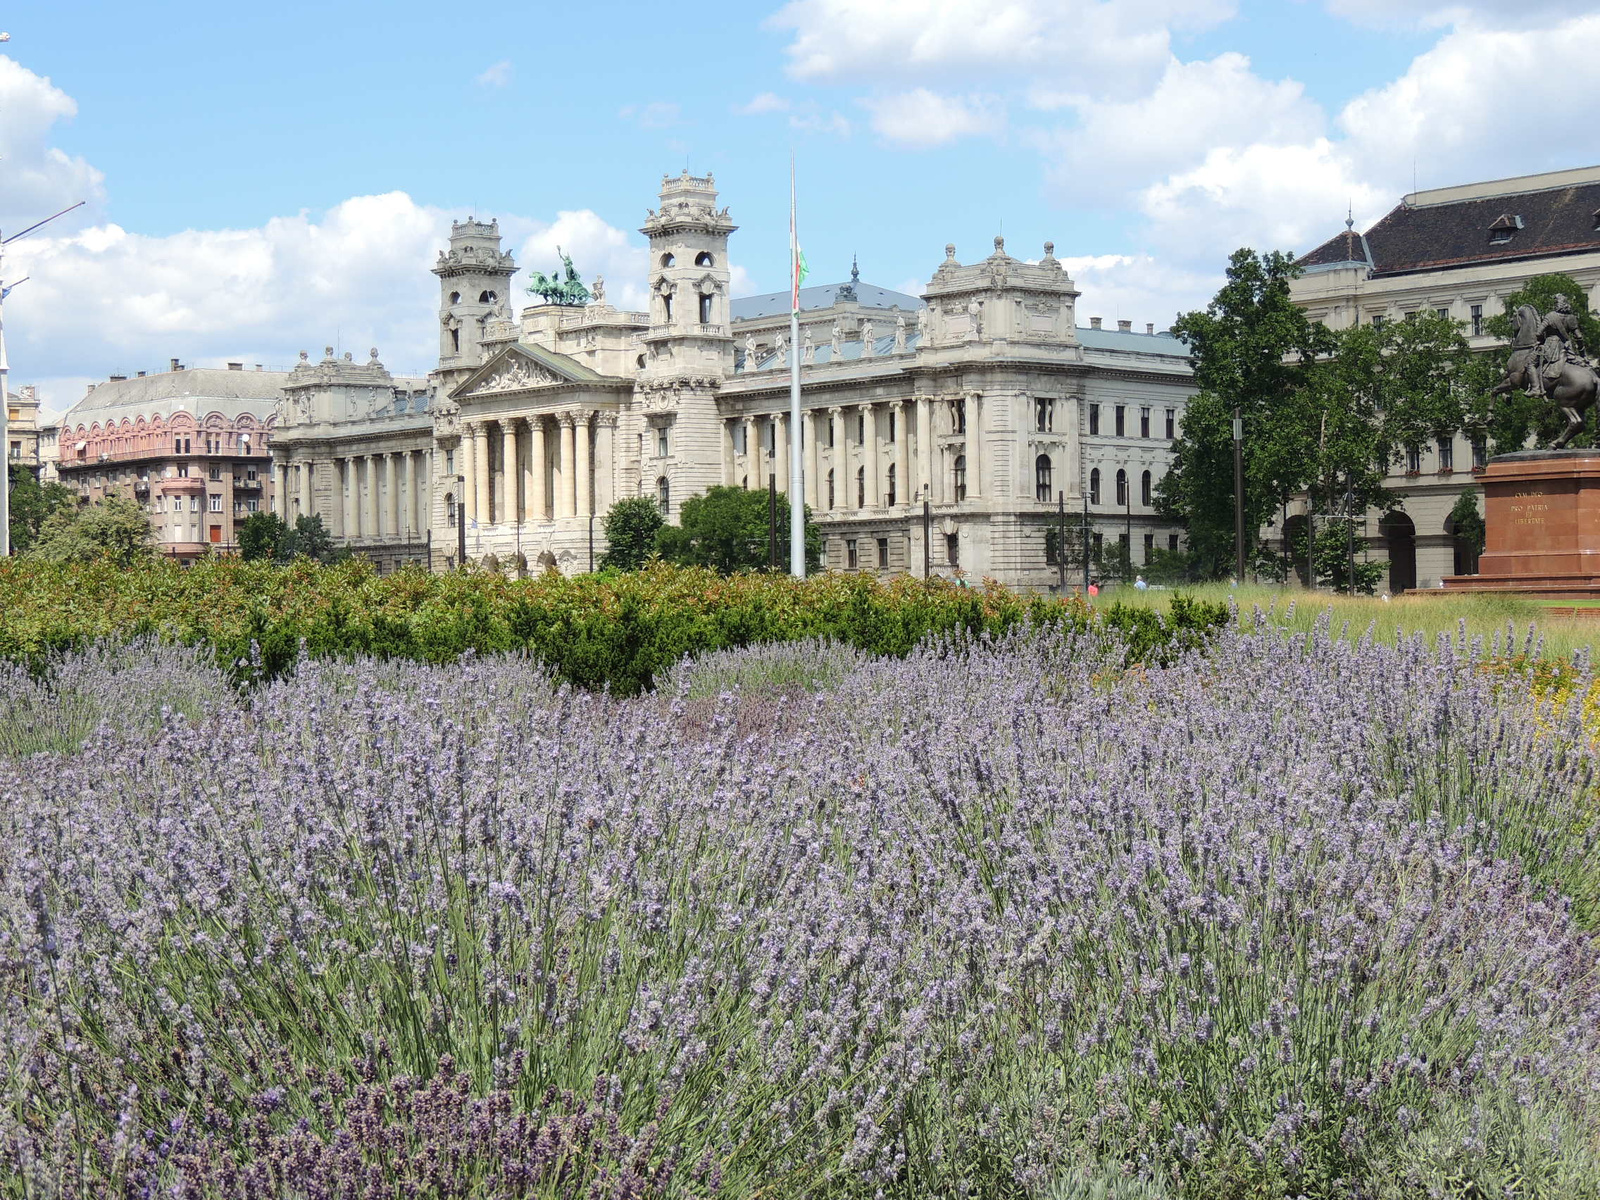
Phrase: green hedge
pixel 595 631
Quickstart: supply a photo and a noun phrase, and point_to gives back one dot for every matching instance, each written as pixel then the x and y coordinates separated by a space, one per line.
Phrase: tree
pixel 261 535
pixel 1466 522
pixel 727 529
pixel 309 538
pixel 1517 417
pixel 115 527
pixel 1251 349
pixel 631 526
pixel 32 503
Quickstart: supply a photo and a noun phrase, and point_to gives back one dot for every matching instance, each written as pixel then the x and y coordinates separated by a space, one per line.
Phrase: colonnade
pixel 512 475
pixel 855 453
pixel 379 496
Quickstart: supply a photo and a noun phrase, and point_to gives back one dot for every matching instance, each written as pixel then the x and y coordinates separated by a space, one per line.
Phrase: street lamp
pixel 1238 495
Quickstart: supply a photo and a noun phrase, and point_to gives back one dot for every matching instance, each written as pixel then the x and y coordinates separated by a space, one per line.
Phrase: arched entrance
pixel 1400 543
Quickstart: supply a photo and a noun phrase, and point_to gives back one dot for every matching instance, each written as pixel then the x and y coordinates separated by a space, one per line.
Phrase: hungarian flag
pixel 797 257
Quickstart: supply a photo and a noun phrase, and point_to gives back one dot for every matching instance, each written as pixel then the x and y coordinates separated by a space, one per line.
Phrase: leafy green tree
pixel 261 535
pixel 1252 349
pixel 1467 523
pixel 1516 417
pixel 727 529
pixel 310 538
pixel 116 528
pixel 32 503
pixel 631 526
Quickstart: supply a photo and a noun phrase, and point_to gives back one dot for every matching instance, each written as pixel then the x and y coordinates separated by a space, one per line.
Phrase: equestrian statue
pixel 1549 361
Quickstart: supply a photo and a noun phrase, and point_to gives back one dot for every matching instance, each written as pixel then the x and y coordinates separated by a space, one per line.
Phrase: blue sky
pixel 268 178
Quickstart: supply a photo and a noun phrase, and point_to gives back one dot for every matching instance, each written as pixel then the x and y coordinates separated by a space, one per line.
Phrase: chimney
pixel 258 366
pixel 116 379
pixel 239 366
pixel 1150 327
pixel 1124 326
pixel 1094 322
pixel 92 386
pixel 176 365
pixel 141 374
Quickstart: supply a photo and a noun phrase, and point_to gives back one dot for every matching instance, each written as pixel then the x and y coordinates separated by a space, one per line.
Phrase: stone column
pixel 392 517
pixel 481 467
pixel 730 464
pixel 306 500
pixel 975 446
pixel 366 494
pixel 605 460
pixel 509 509
pixel 903 487
pixel 583 492
pixel 837 458
pixel 469 472
pixel 869 455
pixel 421 492
pixel 925 444
pixel 814 486
pixel 754 475
pixel 780 450
pixel 280 488
pixel 566 494
pixel 538 463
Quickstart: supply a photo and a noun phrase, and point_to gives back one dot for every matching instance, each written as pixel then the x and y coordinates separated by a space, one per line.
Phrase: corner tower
pixel 689 345
pixel 474 280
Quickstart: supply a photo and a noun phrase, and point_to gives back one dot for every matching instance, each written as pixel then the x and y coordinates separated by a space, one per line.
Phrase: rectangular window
pixel 1044 415
pixel 194 504
pixel 1477 320
pixel 183 470
pixel 1172 542
pixel 216 473
pixel 1126 543
pixel 883 552
pixel 1144 422
pixel 1480 454
pixel 1413 460
pixel 1099 544
pixel 250 473
pixel 216 504
pixel 850 552
pixel 1122 414
pixel 661 442
pixel 1172 424
pixel 958 416
pixel 1447 454
pixel 1094 419
pixel 1377 320
pixel 1442 313
pixel 1149 547
pixel 216 533
pixel 830 433
pixel 252 505
pixel 891 425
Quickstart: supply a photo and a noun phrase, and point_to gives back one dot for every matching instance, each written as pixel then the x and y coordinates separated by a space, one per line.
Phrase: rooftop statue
pixel 553 290
pixel 1547 360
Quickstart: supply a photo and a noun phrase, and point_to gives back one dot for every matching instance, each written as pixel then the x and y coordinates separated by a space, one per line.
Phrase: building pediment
pixel 520 368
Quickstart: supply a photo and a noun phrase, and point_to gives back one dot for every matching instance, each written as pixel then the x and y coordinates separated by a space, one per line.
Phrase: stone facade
pixel 189 445
pixel 983 399
pixel 1458 251
pixel 22 428
pixel 353 445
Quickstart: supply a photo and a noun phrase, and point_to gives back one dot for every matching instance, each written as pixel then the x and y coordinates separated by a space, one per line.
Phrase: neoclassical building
pixel 1458 252
pixel 982 399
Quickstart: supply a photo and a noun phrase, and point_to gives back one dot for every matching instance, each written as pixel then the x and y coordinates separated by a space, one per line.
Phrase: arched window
pixel 891 486
pixel 1144 489
pixel 861 487
pixel 663 493
pixel 830 488
pixel 1122 487
pixel 450 510
pixel 1094 486
pixel 486 297
pixel 960 474
pixel 639 362
pixel 745 483
pixel 703 259
pixel 667 260
pixel 455 297
pixel 1041 477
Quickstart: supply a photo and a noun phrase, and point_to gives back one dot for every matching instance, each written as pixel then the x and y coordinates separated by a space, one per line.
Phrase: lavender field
pixel 1301 916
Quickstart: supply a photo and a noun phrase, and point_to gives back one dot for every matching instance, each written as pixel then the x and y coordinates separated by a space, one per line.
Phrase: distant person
pixel 1138 582
pixel 1094 589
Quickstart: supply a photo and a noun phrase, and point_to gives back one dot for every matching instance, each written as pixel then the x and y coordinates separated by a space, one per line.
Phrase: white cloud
pixel 1194 107
pixel 1118 45
pixel 39 178
pixel 358 274
pixel 766 102
pixel 497 75
pixel 658 114
pixel 1436 14
pixel 920 118
pixel 1139 288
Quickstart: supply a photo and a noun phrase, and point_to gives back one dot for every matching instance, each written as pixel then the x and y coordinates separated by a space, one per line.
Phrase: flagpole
pixel 797 488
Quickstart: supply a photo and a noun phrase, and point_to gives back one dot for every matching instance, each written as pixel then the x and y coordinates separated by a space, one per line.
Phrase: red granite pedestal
pixel 1541 525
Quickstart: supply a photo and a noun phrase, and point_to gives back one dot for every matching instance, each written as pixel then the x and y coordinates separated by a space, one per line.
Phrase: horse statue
pixel 554 289
pixel 1574 391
